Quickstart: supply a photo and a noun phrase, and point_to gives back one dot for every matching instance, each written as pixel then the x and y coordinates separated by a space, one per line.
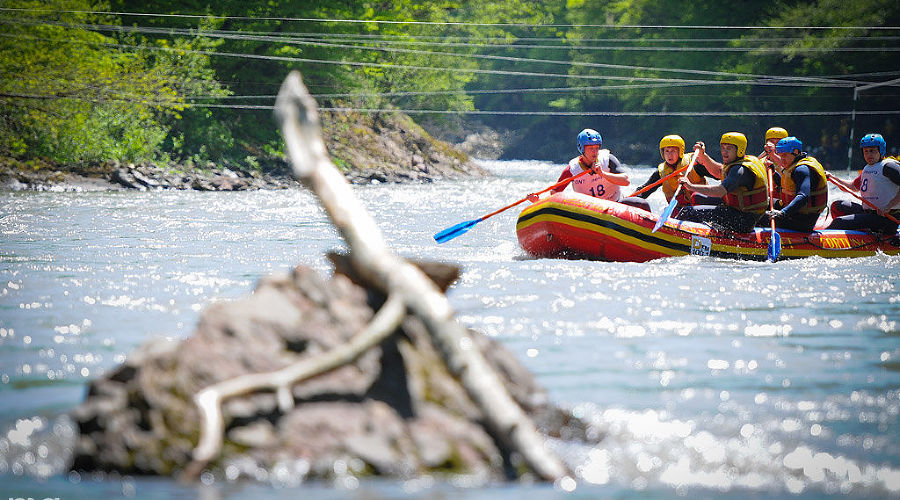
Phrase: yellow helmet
pixel 776 133
pixel 671 140
pixel 736 138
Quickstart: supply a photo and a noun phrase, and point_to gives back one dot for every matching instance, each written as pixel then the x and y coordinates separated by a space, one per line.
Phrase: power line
pixel 346 109
pixel 312 39
pixel 447 23
pixel 483 56
pixel 761 79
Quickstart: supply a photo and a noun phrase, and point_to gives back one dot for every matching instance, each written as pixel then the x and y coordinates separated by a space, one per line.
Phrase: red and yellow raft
pixel 572 225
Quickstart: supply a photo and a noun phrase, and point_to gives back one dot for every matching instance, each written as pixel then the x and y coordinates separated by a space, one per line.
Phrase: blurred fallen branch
pixel 372 259
pixel 209 400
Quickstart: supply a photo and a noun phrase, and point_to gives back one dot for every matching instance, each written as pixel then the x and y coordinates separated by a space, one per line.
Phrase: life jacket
pixel 818 198
pixel 755 199
pixel 592 184
pixel 671 184
pixel 875 188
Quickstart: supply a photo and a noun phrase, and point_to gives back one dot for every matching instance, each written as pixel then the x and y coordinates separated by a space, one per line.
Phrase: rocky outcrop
pixel 379 148
pixel 45 175
pixel 390 147
pixel 394 412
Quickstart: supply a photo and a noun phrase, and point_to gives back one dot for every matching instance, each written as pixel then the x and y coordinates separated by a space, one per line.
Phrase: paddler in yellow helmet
pixel 671 149
pixel 769 156
pixel 743 189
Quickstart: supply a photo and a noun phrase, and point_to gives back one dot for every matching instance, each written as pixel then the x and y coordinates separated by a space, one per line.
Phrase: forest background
pixel 195 81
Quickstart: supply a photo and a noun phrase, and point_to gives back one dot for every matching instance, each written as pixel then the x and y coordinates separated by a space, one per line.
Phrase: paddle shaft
pixel 860 198
pixel 775 239
pixel 461 228
pixel 667 212
pixel 690 166
pixel 664 179
pixel 558 184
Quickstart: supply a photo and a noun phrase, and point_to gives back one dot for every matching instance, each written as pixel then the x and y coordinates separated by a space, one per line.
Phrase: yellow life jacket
pixel 671 184
pixel 754 200
pixel 818 198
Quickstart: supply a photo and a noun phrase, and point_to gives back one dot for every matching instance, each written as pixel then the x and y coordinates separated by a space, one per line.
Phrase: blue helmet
pixel 587 137
pixel 788 145
pixel 869 141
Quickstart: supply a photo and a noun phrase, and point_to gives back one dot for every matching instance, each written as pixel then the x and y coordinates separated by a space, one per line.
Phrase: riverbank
pixel 368 149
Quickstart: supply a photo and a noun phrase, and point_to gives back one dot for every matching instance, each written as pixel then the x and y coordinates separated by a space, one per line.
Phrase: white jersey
pixel 594 185
pixel 875 187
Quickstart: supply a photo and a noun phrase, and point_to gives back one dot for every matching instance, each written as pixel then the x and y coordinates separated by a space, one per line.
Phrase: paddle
pixel 775 239
pixel 664 216
pixel 657 183
pixel 867 202
pixel 461 228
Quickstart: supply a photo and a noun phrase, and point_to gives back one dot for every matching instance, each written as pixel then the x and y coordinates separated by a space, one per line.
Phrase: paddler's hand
pixel 700 153
pixel 533 197
pixel 774 214
pixel 700 148
pixel 685 183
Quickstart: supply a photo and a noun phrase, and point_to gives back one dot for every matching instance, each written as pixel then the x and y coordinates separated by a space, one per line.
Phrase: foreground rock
pixel 394 412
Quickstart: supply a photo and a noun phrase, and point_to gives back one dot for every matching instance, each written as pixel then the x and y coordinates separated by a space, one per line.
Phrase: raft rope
pixel 893 239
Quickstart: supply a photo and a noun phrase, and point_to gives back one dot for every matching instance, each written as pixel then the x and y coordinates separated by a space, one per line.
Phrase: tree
pixel 71 93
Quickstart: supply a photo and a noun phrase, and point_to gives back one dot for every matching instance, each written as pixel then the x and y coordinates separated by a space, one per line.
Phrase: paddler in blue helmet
pixel 606 177
pixel 743 189
pixel 804 187
pixel 879 184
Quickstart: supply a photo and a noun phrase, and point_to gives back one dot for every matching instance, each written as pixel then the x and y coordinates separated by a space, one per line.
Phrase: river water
pixel 712 378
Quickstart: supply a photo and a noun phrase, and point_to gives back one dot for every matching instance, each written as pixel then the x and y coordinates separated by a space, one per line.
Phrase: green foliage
pixel 181 85
pixel 74 96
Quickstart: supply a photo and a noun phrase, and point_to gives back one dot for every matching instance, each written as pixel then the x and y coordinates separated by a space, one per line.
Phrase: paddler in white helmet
pixel 671 149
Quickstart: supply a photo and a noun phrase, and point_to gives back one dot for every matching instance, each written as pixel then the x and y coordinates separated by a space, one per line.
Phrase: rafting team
pixel 799 183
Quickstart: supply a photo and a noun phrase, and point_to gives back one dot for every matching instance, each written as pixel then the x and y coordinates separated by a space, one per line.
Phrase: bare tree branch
pixel 297 113
pixel 210 399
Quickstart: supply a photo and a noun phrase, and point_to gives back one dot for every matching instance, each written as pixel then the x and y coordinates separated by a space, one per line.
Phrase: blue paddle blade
pixel 774 247
pixel 454 231
pixel 664 216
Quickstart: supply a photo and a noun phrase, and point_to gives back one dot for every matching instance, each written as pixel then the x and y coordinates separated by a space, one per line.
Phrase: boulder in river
pixel 396 411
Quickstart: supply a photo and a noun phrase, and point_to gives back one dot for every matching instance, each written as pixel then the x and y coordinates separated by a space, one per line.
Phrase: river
pixel 712 378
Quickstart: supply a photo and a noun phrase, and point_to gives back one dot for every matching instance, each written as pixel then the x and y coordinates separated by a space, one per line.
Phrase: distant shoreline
pixel 393 150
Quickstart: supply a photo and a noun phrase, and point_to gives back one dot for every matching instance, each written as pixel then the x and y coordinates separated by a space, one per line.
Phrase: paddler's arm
pixel 711 190
pixel 563 176
pixel 894 202
pixel 712 166
pixel 653 178
pixel 737 177
pixel 615 174
pixel 892 172
pixel 802 177
pixel 842 182
pixel 769 157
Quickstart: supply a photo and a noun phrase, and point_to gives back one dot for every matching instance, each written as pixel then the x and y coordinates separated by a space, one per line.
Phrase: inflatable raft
pixel 571 225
